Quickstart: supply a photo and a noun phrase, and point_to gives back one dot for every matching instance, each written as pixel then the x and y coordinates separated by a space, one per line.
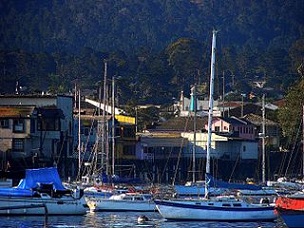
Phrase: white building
pixel 222 147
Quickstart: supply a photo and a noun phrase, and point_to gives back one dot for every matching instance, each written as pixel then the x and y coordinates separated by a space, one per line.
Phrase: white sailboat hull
pixel 112 205
pixel 214 210
pixel 41 206
pixel 122 202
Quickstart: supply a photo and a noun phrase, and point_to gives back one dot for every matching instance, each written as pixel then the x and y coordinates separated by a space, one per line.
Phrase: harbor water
pixel 121 220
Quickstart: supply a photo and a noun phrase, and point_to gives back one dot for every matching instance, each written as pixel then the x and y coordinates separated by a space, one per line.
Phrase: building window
pixel 244 148
pixel 18 145
pixel 4 123
pixel 18 126
pixel 48 124
pixel 217 128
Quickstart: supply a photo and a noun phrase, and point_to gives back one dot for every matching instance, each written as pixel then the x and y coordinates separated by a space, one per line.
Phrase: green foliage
pixel 147 117
pixel 185 58
pixel 290 115
pixel 57 84
pixel 158 47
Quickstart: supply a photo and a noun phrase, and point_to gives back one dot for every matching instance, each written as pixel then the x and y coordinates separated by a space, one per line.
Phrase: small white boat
pixel 122 202
pixel 41 193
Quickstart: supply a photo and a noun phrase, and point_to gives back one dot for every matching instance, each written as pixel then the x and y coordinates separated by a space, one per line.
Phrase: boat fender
pixel 142 219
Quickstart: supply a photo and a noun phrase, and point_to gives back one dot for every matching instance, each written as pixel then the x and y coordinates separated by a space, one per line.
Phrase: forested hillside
pixel 156 47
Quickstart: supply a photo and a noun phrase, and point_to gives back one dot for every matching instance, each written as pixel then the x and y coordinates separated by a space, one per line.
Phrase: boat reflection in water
pixel 122 220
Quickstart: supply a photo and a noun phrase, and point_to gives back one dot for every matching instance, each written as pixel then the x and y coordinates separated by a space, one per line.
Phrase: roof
pixel 234 120
pixel 280 103
pixel 35 96
pixel 182 124
pixel 16 111
pixel 247 109
pixel 257 120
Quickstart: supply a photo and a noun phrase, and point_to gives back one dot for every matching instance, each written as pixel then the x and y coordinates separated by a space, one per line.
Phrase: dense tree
pixel 290 116
pixel 157 47
pixel 185 58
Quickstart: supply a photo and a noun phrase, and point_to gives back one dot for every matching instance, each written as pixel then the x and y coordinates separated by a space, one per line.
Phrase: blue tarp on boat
pixel 34 178
pixel 222 184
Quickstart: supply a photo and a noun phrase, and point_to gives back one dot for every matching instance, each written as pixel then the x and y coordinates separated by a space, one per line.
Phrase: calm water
pixel 119 220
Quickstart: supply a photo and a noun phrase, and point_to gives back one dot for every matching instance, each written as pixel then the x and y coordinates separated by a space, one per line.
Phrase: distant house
pixel 172 142
pixel 37 130
pixel 232 125
pixel 246 108
pixel 183 107
pixel 157 153
pixel 224 147
pixel 272 129
pixel 232 137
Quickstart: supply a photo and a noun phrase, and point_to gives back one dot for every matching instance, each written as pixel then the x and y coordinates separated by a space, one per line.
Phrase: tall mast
pixel 79 134
pixel 113 126
pixel 210 113
pixel 263 140
pixel 194 110
pixel 104 115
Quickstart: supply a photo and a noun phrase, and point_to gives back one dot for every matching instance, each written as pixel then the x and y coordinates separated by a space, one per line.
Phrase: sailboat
pixel 219 208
